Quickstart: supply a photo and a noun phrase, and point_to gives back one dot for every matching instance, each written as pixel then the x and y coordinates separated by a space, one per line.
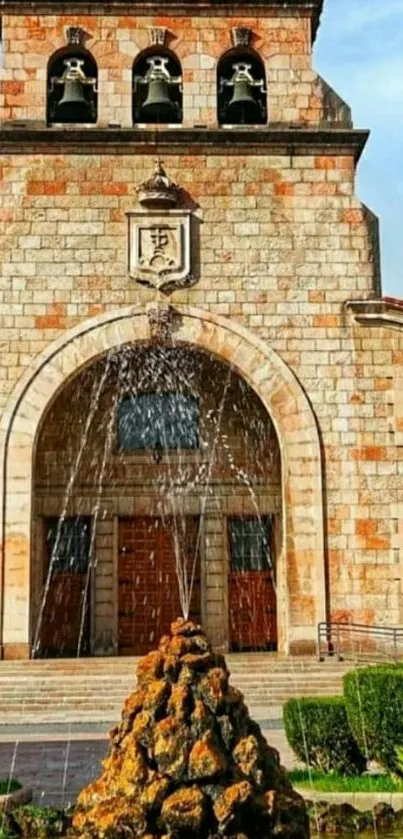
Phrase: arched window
pixel 157 87
pixel 158 421
pixel 241 89
pixel 72 87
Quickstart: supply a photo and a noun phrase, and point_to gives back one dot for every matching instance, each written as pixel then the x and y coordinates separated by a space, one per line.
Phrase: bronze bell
pixel 243 107
pixel 158 107
pixel 73 106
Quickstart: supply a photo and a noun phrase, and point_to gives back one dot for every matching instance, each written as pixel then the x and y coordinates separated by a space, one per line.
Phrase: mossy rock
pixel 186 761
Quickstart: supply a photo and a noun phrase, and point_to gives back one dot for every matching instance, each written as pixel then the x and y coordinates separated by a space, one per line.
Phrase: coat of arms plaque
pixel 159 247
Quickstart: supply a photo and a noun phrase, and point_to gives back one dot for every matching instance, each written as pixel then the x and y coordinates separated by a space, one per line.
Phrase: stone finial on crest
pixel 157 36
pixel 241 36
pixel 159 190
pixel 160 320
pixel 76 36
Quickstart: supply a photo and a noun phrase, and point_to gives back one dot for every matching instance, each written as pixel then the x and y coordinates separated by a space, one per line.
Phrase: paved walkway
pixel 56 766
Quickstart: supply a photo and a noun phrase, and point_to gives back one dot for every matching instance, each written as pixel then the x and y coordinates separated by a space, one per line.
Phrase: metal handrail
pixel 358 641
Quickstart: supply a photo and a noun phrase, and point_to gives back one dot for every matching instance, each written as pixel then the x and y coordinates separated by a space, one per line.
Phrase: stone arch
pixel 301 566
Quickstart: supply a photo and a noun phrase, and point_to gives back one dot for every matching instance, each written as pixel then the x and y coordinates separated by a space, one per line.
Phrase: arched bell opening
pixel 157 489
pixel 72 87
pixel 157 87
pixel 241 89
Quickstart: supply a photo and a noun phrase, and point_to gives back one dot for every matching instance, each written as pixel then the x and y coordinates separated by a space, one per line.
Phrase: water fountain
pixel 186 760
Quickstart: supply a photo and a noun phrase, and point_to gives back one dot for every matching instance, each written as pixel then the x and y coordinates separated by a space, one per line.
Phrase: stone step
pixel 255 697
pixel 88 665
pixel 126 674
pixel 122 690
pixel 52 696
pixel 130 679
pixel 119 696
pixel 93 690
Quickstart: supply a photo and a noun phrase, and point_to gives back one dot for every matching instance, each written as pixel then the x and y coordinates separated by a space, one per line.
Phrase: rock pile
pixel 187 761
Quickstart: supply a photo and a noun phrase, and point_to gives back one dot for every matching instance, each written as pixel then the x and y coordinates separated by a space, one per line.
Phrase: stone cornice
pixel 386 311
pixel 288 141
pixel 134 7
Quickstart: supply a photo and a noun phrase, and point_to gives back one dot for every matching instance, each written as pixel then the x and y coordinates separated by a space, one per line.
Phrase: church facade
pixel 201 383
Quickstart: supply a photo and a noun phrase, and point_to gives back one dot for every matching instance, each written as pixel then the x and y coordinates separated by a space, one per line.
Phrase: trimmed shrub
pixel 374 705
pixel 318 732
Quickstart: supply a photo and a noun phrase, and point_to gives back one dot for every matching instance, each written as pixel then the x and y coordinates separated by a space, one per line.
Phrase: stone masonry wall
pixel 281 243
pixel 295 92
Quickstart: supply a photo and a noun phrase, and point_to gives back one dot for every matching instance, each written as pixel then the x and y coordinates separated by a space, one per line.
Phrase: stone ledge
pixel 386 311
pixel 287 140
pixel 15 799
pixel 360 800
pixel 121 7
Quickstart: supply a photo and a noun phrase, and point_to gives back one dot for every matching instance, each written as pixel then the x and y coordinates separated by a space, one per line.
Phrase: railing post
pixel 338 642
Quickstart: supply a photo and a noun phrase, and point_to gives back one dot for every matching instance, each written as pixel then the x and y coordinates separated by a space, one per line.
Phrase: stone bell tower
pixel 244 242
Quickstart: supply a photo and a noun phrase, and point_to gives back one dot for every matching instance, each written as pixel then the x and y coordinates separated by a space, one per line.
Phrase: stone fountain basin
pixel 15 799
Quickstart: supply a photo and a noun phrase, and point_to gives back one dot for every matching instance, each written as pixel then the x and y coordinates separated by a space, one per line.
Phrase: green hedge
pixel 318 732
pixel 374 704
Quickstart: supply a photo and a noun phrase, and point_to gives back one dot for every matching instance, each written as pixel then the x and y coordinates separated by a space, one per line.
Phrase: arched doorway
pixel 157 492
pixel 301 591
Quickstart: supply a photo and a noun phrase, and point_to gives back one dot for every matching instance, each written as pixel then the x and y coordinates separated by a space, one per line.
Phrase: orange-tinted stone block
pixel 49 322
pixel 12 88
pixel 325 162
pixel 113 189
pixel 326 320
pixel 353 217
pixel 369 453
pixel 283 189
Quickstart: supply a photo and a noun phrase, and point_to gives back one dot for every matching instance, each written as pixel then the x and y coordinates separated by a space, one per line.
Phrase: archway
pixel 72 86
pixel 157 491
pixel 300 566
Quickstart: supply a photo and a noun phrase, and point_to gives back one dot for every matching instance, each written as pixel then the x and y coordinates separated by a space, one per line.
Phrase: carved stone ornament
pixel 76 36
pixel 160 319
pixel 241 36
pixel 158 191
pixel 159 247
pixel 157 36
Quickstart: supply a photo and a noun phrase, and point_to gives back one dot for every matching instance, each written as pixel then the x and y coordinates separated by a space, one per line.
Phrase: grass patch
pixel 334 782
pixel 7 785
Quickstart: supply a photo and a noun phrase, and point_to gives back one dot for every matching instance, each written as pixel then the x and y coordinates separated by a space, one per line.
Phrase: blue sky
pixel 359 51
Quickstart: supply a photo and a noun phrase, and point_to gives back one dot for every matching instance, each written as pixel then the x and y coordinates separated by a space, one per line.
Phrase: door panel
pixel 65 619
pixel 148 599
pixel 251 585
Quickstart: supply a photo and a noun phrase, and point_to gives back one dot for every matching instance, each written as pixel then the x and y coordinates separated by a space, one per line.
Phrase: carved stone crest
pixel 159 236
pixel 159 247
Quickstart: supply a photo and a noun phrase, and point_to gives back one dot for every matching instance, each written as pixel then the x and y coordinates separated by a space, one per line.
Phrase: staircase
pixel 92 690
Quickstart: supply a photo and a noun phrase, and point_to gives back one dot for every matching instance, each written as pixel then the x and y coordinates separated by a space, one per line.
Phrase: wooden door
pixel 251 585
pixel 65 616
pixel 148 597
